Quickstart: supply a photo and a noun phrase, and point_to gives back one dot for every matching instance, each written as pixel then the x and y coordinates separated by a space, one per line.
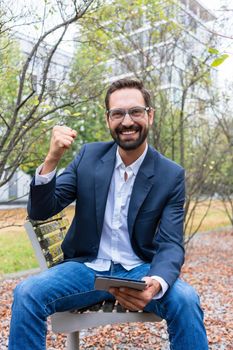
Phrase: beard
pixel 129 145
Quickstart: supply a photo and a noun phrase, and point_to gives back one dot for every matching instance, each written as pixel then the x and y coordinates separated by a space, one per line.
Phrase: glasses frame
pixel 127 112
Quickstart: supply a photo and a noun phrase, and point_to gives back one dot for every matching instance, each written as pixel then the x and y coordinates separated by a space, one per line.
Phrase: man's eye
pixel 136 111
pixel 117 114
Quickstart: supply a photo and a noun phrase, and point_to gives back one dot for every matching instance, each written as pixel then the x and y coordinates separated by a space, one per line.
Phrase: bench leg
pixel 73 341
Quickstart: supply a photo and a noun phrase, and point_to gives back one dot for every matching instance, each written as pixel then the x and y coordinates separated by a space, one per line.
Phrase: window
pixel 12 189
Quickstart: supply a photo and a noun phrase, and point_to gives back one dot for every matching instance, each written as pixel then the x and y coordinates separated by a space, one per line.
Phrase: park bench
pixel 46 238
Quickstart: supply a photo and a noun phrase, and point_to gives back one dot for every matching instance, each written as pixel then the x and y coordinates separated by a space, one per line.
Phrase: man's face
pixel 127 133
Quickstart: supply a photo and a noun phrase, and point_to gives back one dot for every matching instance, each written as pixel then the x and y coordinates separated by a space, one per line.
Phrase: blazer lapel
pixel 142 185
pixel 103 175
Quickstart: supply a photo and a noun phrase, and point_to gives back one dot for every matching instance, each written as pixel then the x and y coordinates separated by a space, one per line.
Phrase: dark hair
pixel 128 83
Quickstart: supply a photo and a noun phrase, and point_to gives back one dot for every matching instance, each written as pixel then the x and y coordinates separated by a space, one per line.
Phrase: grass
pixel 16 253
pixel 216 217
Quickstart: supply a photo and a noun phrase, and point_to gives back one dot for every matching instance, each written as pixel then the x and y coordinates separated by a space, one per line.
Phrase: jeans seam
pixel 65 296
pixel 162 308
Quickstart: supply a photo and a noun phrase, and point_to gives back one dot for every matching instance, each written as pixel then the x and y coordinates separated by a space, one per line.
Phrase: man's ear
pixel 151 115
pixel 107 120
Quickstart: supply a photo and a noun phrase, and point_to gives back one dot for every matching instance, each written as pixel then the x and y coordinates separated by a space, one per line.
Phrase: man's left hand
pixel 135 300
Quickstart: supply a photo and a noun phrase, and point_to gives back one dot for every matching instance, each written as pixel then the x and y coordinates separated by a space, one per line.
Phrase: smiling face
pixel 128 134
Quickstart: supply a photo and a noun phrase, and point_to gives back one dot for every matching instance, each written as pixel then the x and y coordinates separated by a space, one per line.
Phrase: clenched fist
pixel 61 139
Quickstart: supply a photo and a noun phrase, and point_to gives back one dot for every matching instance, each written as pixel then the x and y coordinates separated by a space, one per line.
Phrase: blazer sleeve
pixel 169 256
pixel 49 199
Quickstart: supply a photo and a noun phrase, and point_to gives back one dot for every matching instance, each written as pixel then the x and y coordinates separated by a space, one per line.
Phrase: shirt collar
pixel 134 166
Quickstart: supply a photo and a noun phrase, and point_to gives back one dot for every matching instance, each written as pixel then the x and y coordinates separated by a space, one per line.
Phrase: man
pixel 128 223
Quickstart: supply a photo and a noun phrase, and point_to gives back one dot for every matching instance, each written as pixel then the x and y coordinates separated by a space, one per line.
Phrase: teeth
pixel 128 132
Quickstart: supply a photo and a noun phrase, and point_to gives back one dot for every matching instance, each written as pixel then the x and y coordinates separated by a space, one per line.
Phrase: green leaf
pixel 35 101
pixel 46 106
pixel 213 51
pixel 219 60
pixel 77 114
pixel 149 68
pixel 47 122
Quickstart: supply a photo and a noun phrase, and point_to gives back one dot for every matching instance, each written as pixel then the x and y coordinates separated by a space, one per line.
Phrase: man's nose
pixel 127 120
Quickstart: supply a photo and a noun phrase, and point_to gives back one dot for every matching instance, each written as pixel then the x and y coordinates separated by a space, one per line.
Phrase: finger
pixel 125 291
pixel 140 303
pixel 61 128
pixel 128 304
pixel 64 130
pixel 67 144
pixel 128 293
pixel 132 292
pixel 69 132
pixel 140 298
pixel 148 280
pixel 67 138
pixel 73 133
pixel 64 141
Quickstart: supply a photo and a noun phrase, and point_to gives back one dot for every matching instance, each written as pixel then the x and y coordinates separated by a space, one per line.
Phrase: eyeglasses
pixel 135 113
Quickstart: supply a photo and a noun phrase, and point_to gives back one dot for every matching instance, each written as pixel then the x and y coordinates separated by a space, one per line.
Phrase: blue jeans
pixel 70 285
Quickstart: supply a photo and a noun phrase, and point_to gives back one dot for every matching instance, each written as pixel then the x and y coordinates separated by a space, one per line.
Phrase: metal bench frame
pixel 71 322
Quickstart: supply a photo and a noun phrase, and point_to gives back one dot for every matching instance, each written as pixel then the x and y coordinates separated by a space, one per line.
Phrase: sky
pixel 211 4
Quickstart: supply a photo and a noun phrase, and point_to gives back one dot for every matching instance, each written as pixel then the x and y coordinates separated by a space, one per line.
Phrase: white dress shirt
pixel 115 245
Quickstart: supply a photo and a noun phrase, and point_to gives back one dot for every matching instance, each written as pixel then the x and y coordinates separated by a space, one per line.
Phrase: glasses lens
pixel 116 114
pixel 137 112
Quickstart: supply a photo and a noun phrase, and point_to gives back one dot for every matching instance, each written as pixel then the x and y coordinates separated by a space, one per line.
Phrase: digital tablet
pixel 106 282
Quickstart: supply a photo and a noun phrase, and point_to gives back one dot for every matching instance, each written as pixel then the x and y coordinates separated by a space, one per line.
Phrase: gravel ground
pixel 208 267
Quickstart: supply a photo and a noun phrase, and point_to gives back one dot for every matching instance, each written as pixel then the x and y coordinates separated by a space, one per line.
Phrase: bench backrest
pixel 46 238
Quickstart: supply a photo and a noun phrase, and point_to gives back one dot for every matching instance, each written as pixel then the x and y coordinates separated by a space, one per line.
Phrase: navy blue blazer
pixel 155 216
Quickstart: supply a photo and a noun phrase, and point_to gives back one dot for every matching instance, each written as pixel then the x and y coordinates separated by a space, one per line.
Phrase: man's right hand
pixel 61 140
